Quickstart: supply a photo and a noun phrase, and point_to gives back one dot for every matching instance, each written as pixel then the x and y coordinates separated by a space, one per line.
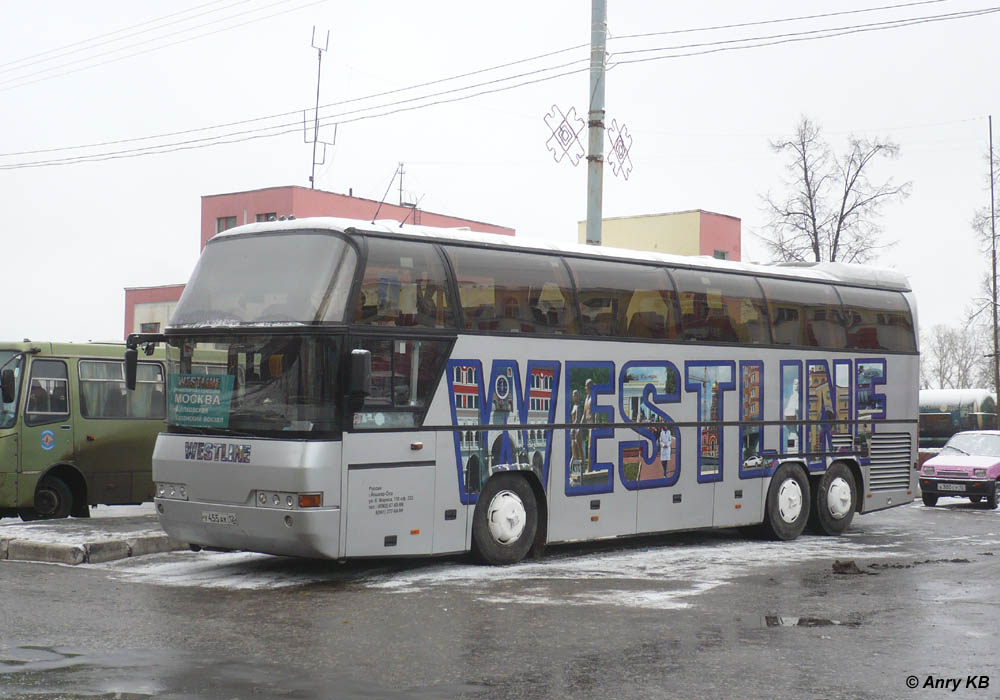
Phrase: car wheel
pixel 993 496
pixel 787 508
pixel 835 500
pixel 975 499
pixel 505 521
pixel 53 499
pixel 929 499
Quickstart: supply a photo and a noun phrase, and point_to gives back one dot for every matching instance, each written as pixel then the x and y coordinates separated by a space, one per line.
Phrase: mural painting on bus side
pixel 870 403
pixel 585 382
pixel 503 401
pixel 654 461
pixel 709 381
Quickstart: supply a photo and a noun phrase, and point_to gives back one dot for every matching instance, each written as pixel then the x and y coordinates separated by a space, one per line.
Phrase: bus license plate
pixel 211 516
pixel 951 487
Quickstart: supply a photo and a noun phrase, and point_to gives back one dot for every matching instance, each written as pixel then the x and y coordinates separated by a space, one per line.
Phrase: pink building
pixel 147 309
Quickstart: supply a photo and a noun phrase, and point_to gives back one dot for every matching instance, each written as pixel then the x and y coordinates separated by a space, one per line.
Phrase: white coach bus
pixel 396 391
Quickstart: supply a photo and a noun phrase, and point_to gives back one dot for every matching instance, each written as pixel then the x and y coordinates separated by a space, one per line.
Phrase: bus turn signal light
pixel 310 500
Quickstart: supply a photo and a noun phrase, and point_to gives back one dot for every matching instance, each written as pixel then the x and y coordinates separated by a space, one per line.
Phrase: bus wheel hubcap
pixel 838 498
pixel 506 517
pixel 46 502
pixel 789 500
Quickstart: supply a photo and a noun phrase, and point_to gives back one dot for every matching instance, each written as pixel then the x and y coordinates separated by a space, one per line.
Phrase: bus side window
pixel 719 307
pixel 512 291
pixel 47 402
pixel 877 320
pixel 404 285
pixel 404 373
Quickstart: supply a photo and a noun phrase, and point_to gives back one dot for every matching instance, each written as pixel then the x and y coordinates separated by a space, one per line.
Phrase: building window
pixel 721 255
pixel 224 223
pixel 149 327
pixel 270 216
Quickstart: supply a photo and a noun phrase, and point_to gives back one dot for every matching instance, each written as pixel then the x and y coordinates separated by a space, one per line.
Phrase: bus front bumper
pixel 312 533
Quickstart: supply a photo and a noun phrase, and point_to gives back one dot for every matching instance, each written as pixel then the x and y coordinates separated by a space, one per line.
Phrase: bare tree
pixel 832 208
pixel 954 357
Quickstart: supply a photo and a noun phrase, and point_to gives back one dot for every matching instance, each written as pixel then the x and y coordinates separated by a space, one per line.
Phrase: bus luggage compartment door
pixel 390 494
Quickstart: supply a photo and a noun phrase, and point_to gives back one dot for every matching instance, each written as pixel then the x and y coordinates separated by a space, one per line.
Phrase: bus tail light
pixel 310 500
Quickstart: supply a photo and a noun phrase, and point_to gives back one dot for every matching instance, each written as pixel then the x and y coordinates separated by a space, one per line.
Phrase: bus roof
pixel 65 349
pixel 860 275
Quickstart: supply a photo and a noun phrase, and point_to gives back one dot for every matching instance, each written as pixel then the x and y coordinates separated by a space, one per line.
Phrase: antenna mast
pixel 315 135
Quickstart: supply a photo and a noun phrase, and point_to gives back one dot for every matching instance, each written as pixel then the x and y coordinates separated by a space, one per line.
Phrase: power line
pixel 102 36
pixel 450 78
pixel 822 33
pixel 155 48
pixel 359 116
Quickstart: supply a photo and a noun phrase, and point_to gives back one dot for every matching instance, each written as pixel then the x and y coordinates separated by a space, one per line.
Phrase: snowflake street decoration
pixel 565 139
pixel 621 144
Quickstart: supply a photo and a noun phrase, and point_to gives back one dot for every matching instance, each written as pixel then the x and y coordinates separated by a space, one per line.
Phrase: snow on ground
pixel 663 576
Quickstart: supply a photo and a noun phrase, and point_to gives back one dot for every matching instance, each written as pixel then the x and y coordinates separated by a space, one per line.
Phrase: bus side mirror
pixel 359 380
pixel 131 366
pixel 7 384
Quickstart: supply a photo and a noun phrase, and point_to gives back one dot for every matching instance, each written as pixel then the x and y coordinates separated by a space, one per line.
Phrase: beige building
pixel 694 232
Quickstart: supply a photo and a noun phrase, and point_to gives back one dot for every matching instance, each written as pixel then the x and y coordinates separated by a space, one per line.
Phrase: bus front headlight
pixel 177 492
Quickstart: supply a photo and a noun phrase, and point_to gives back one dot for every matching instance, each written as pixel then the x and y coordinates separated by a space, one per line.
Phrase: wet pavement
pixel 909 595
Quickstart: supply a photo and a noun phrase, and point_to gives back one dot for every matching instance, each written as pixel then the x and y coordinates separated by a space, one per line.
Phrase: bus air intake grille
pixel 891 461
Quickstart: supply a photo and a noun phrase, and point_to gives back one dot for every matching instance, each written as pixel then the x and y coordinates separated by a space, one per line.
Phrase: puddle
pixel 785 621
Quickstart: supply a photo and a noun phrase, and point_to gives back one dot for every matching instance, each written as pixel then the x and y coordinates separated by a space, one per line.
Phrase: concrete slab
pixel 26 550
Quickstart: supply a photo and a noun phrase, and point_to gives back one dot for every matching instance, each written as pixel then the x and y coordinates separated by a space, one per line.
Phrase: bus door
pixel 117 428
pixel 47 428
pixel 390 492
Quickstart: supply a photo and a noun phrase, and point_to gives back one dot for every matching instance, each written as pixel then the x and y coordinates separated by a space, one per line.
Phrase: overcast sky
pixel 75 74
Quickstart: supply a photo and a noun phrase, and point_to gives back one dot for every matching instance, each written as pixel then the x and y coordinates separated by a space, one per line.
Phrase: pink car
pixel 968 465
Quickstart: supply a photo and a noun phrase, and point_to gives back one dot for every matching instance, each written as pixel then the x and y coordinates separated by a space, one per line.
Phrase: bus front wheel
pixel 836 498
pixel 787 508
pixel 53 499
pixel 505 521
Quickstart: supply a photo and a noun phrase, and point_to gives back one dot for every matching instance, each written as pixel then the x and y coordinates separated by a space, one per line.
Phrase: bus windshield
pixel 281 278
pixel 255 385
pixel 12 360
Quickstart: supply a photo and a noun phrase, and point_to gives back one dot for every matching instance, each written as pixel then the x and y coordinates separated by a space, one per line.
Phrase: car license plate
pixel 951 487
pixel 211 516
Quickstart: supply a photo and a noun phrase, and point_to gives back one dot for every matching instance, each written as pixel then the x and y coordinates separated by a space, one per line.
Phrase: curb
pixel 98 552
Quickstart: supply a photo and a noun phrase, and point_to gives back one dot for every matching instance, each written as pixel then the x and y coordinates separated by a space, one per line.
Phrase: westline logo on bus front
pixel 813 390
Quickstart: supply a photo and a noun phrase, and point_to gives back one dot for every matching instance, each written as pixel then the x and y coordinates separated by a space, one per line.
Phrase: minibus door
pixel 47 427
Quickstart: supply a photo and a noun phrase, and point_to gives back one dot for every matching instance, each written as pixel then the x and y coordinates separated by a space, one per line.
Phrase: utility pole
pixel 400 184
pixel 595 119
pixel 993 238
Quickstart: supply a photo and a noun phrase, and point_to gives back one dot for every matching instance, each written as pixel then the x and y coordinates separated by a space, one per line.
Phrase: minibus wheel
pixel 788 501
pixel 505 521
pixel 53 499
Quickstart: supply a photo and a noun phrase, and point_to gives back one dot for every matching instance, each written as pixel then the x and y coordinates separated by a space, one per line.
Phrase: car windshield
pixel 254 385
pixel 270 279
pixel 978 444
pixel 14 361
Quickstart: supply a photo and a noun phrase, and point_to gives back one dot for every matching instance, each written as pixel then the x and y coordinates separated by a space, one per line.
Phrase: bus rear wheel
pixel 835 500
pixel 505 521
pixel 53 499
pixel 787 508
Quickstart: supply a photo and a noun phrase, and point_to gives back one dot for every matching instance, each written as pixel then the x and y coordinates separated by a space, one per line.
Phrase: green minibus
pixel 70 435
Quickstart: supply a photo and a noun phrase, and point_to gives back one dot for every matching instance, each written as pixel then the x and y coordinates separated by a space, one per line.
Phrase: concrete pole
pixel 993 238
pixel 595 119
